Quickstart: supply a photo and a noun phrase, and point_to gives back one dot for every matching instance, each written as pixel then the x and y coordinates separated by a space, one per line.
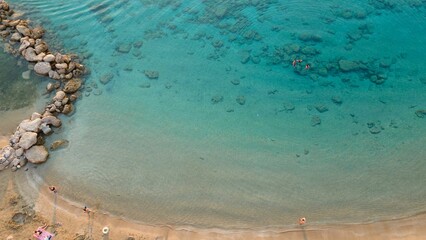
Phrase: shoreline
pixel 73 219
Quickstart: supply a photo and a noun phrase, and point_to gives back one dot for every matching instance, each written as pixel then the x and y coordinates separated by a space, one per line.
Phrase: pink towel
pixel 44 235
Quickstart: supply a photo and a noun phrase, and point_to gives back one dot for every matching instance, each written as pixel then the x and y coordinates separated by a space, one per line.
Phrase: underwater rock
pixel 106 78
pixel 337 100
pixel 321 108
pixel 28 139
pixel 288 106
pixel 315 120
pixel 42 68
pixel 422 80
pixel 217 99
pixel 151 74
pixel 309 37
pixel 145 85
pixel 72 85
pixel 375 130
pixel 26 75
pixel 124 48
pixel 68 109
pixel 138 44
pixel 37 154
pixel 347 66
pixel 241 100
pixel 421 113
pixel 245 57
pixel 59 144
pixel 235 82
pixel 378 79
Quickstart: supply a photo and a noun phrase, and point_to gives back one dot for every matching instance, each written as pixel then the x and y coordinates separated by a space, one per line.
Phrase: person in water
pixel 53 189
pixel 307 66
pixel 302 221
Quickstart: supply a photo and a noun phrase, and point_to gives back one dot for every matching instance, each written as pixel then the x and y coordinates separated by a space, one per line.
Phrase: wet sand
pixel 75 222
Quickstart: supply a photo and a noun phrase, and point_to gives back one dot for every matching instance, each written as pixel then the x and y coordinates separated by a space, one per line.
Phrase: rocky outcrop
pixel 26 143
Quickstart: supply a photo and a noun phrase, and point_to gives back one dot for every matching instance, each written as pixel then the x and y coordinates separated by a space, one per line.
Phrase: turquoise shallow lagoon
pixel 230 134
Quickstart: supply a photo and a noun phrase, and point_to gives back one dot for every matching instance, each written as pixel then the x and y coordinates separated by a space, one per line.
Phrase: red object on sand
pixel 44 234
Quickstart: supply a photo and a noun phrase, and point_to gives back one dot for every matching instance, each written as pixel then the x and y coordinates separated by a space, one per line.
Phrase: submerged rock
pixel 241 100
pixel 217 99
pixel 347 66
pixel 421 113
pixel 151 74
pixel 315 120
pixel 59 144
pixel 106 78
pixel 124 48
pixel 37 154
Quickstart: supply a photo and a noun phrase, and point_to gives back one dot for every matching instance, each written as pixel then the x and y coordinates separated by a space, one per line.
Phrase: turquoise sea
pixel 194 115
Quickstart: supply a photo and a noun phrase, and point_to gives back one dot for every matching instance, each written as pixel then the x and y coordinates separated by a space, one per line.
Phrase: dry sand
pixel 75 224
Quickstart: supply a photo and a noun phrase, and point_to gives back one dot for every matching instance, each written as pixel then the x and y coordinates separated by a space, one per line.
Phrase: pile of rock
pixel 26 144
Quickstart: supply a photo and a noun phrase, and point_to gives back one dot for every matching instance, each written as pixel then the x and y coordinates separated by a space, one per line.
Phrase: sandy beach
pixel 74 223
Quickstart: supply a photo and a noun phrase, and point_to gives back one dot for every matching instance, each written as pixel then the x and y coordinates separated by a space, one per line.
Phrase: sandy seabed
pixel 69 221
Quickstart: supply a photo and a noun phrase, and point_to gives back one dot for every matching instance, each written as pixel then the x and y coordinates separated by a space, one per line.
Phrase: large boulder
pixel 30 126
pixel 72 85
pixel 27 140
pixel 37 154
pixel 42 68
pixel 24 30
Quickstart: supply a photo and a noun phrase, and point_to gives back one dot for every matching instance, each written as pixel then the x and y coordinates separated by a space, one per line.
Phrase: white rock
pixel 42 68
pixel 58 103
pixel 27 140
pixel 35 115
pixel 51 120
pixel 37 154
pixel 30 126
pixel 59 96
pixel 54 75
pixel 49 58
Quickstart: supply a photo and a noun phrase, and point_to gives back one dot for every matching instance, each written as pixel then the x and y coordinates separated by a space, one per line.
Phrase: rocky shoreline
pixel 20 39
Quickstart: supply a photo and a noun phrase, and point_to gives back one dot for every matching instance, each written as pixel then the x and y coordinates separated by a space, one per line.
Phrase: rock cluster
pixel 26 144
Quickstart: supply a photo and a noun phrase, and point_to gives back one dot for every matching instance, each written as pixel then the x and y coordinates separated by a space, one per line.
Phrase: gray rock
pixel 315 120
pixel 45 128
pixel 68 109
pixel 30 126
pixel 347 66
pixel 106 78
pixel 241 100
pixel 26 75
pixel 19 152
pixel 42 68
pixel 124 48
pixel 15 37
pixel 37 154
pixel 54 75
pixel 27 140
pixel 151 74
pixel 321 108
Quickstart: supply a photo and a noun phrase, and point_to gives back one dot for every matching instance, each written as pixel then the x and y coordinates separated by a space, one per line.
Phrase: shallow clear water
pixel 228 135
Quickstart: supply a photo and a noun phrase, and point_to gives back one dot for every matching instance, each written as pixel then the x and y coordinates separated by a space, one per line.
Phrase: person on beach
pixel 302 221
pixel 53 189
pixel 86 209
